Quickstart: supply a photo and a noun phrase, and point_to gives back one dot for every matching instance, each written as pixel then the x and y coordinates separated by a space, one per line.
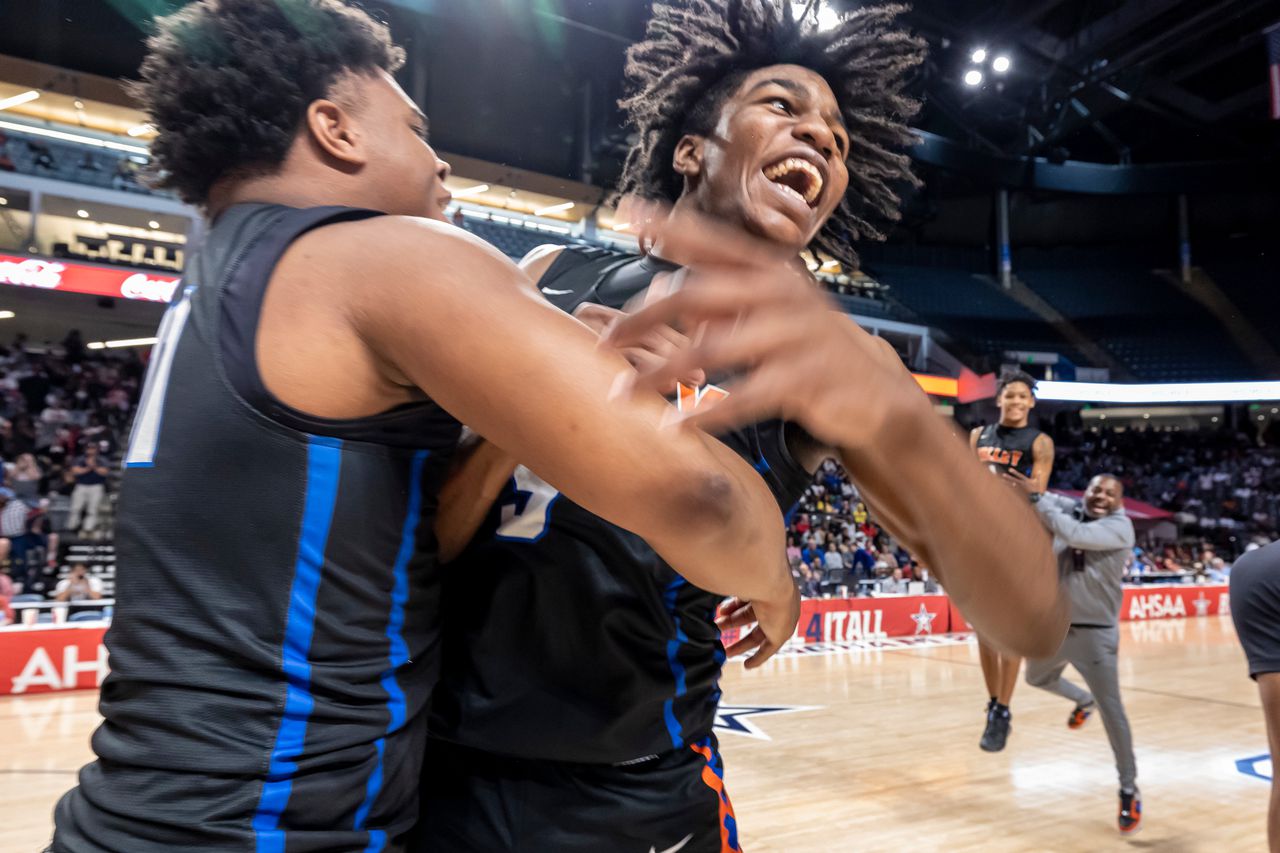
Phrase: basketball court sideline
pixel 873 746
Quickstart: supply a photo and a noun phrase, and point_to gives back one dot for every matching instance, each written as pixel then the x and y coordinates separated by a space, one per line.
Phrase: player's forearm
pixel 980 537
pixel 730 538
pixel 479 472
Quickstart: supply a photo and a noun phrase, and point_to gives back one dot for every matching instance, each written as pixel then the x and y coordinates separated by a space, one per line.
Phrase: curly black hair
pixel 1009 377
pixel 226 83
pixel 697 52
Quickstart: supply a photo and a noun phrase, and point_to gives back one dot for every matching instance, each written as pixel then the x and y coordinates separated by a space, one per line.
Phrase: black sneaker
pixel 1130 817
pixel 997 731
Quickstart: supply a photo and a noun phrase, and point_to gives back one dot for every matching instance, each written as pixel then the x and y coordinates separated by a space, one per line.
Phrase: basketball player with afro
pixel 579 692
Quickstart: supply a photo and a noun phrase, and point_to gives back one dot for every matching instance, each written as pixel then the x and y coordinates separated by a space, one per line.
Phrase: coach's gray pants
pixel 1092 651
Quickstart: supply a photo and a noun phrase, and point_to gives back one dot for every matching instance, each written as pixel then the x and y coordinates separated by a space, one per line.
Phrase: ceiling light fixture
pixel 73 137
pixel 29 95
pixel 972 77
pixel 555 208
pixel 979 55
pixel 470 191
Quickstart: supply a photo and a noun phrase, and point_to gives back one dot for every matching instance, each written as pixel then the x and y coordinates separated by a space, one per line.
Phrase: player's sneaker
pixel 1079 715
pixel 1130 817
pixel 997 731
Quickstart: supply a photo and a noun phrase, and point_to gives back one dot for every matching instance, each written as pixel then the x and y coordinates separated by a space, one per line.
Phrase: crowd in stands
pixel 69 161
pixel 64 412
pixel 835 548
pixel 1222 487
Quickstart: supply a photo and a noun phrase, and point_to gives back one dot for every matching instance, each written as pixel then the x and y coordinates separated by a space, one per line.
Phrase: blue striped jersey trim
pixel 324 462
pixel 399 655
pixel 673 660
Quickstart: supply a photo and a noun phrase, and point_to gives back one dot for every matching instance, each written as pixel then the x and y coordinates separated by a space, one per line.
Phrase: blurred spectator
pixel 895 584
pixel 13 523
pixel 90 474
pixel 24 478
pixel 78 586
pixel 930 585
pixel 43 156
pixel 793 552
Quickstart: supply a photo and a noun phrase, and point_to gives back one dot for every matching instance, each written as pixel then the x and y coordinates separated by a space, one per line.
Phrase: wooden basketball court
pixel 860 749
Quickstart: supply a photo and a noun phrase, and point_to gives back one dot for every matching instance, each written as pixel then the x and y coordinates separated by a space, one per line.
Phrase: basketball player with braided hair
pixel 581 672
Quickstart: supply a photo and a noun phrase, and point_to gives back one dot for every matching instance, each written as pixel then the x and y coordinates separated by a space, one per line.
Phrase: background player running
pixel 593 732
pixel 1010 446
pixel 275 643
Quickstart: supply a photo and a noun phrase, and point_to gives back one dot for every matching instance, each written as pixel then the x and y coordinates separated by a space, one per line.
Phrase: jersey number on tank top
pixel 146 426
pixel 527 509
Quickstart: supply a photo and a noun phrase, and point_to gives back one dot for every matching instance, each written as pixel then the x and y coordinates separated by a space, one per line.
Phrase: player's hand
pixel 1021 481
pixel 758 314
pixel 648 353
pixel 775 623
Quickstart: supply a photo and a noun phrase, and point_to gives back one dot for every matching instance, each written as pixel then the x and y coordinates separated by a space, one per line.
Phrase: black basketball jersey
pixel 1005 448
pixel 275 641
pixel 566 637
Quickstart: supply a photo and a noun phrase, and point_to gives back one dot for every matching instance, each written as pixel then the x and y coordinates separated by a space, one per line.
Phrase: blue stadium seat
pixel 1147 323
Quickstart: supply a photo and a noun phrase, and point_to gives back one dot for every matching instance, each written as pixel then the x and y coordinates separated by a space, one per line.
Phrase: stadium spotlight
pixel 153 224
pixel 972 77
pixel 1000 64
pixel 828 18
pixel 83 214
pixel 980 55
pixel 29 95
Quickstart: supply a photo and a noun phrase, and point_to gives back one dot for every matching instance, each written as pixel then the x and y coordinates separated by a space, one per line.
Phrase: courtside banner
pixel 41 659
pixel 846 620
pixel 1169 602
pixel 68 277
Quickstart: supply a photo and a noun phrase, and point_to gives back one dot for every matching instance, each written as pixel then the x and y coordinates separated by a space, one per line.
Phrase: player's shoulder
pixel 1259 566
pixel 390 250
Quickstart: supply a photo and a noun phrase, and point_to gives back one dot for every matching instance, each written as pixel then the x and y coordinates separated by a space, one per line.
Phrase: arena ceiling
pixel 532 83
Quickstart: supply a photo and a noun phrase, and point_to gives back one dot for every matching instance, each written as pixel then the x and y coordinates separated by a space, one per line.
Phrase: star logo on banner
pixel 736 719
pixel 1202 605
pixel 924 620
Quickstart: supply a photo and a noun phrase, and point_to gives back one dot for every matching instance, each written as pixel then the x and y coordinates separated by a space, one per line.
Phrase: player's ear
pixel 333 130
pixel 687 159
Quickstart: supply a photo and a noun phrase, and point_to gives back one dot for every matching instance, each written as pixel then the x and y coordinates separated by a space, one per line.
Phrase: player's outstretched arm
pixel 462 323
pixel 803 360
pixel 1042 450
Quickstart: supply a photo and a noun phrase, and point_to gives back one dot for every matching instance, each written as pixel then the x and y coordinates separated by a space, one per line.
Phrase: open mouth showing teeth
pixel 797 176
